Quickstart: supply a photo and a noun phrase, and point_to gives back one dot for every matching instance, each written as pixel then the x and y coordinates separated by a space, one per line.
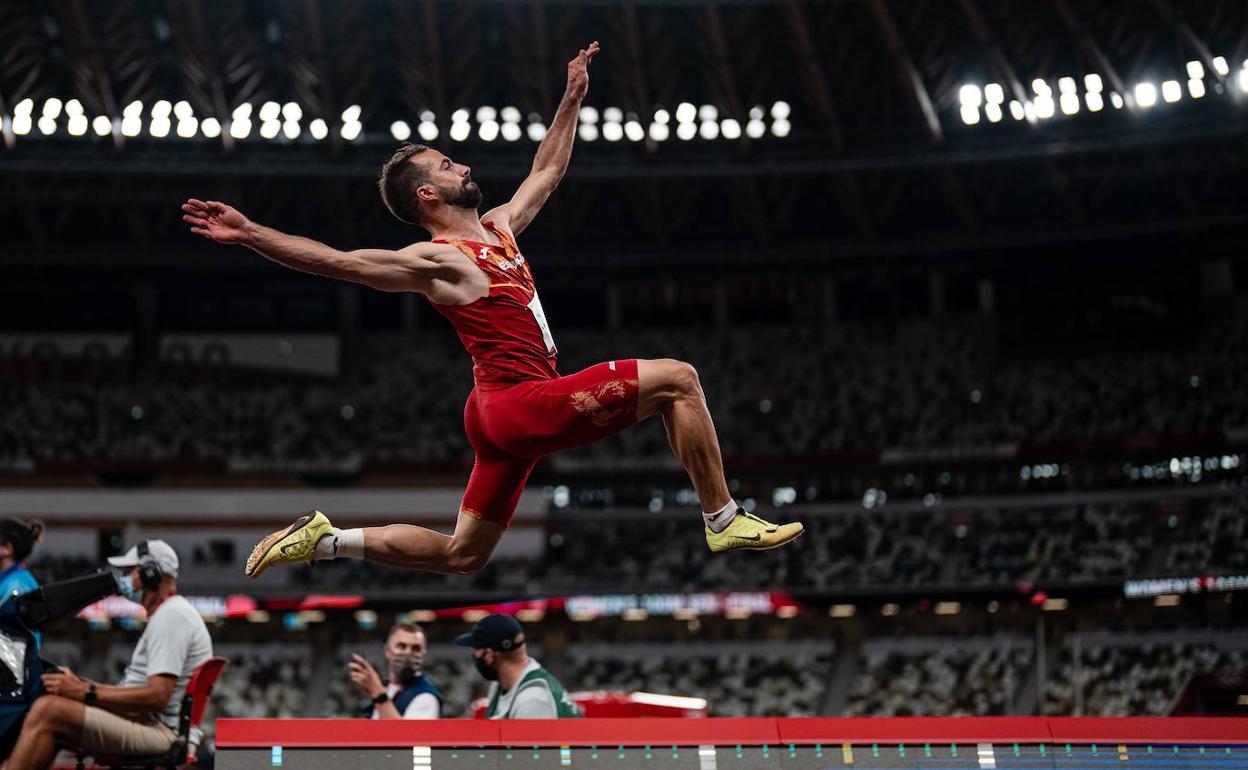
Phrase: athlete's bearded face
pixel 452 182
pixel 465 195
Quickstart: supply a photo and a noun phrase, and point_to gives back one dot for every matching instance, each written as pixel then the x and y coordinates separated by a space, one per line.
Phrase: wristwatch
pixel 381 698
pixel 91 696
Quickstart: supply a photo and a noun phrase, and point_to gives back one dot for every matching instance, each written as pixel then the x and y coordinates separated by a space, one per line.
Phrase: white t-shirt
pixel 532 700
pixel 175 642
pixel 423 706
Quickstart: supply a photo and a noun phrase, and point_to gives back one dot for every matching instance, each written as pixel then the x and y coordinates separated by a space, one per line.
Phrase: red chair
pixel 194 701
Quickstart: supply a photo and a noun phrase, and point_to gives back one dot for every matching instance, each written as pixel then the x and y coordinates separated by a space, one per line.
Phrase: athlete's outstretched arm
pixel 553 153
pixel 403 270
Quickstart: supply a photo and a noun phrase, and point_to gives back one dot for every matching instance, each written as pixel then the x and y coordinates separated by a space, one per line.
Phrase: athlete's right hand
pixel 215 220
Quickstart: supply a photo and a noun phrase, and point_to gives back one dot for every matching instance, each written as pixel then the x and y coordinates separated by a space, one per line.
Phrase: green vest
pixel 565 708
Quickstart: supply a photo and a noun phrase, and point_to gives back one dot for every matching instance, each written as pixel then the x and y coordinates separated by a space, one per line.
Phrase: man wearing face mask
pixel 519 687
pixel 408 694
pixel 139 715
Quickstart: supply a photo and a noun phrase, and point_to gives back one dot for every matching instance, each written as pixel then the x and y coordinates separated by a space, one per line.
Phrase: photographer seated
pixel 140 715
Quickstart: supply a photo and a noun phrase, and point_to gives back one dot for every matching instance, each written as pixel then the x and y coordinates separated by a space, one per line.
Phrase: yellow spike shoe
pixel 292 545
pixel 747 531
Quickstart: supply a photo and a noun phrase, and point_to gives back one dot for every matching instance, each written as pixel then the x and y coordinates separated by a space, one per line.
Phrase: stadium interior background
pixel 964 283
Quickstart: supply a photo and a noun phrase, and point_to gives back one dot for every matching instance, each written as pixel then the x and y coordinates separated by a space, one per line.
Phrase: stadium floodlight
pixel 187 127
pixel 351 131
pixel 1243 80
pixel 780 110
pixel 613 115
pixel 135 108
pixel 47 125
pixel 686 112
pixel 1116 99
pixel 240 129
pixel 1171 91
pixel 1066 85
pixel 24 107
pixel 708 112
pixel 21 124
pixel 182 110
pixel 159 127
pixel 757 113
pixel 52 108
pixel 400 130
pixel 161 109
pixel 969 95
pixel 1095 101
pixel 488 130
pixel 352 114
pixel 318 128
pixel 588 132
pixel 662 117
pixel 686 131
pixel 511 131
pixel 510 115
pixel 993 112
pixel 73 107
pixel 730 128
pixel 459 116
pixel 589 115
pixel 1029 111
pixel 994 93
pixel 211 127
pixel 1196 88
pixel 612 131
pixel 1145 94
pixel 1092 83
pixel 659 132
pixel 428 130
pixel 131 125
pixel 755 128
pixel 269 129
pixel 781 128
pixel 536 131
pixel 242 112
pixel 1016 110
pixel 1045 108
pixel 970 114
pixel 77 125
pixel 1220 66
pixel 292 112
pixel 709 130
pixel 427 116
pixel 486 113
pixel 1070 103
pixel 1195 70
pixel 460 131
pixel 102 125
pixel 290 129
pixel 1040 87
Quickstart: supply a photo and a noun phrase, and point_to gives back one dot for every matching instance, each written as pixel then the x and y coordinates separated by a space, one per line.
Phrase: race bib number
pixel 535 307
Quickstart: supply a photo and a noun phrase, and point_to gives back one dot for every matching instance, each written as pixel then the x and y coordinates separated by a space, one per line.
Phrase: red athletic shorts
pixel 511 428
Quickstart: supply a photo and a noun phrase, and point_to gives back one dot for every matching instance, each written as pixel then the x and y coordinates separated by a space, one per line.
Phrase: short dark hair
pixel 21 535
pixel 411 628
pixel 399 180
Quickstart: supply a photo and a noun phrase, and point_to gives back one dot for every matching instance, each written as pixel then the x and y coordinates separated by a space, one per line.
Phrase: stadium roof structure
pixel 725 129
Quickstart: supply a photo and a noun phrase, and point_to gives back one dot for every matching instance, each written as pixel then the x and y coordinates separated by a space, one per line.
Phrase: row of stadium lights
pixel 612 124
pixel 1042 105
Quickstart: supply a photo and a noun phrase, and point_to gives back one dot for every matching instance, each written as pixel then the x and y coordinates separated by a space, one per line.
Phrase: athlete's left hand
pixel 578 71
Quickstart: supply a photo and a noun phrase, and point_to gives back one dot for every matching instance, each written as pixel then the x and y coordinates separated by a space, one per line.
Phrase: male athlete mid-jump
pixel 520 408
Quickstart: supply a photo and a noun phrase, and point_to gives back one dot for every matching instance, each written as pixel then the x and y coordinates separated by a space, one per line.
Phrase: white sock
pixel 342 544
pixel 723 517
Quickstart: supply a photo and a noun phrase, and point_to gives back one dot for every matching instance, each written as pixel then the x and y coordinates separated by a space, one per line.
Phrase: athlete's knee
pixel 685 378
pixel 467 558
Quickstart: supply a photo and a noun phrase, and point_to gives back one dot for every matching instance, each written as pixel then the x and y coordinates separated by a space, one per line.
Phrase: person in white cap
pixel 139 715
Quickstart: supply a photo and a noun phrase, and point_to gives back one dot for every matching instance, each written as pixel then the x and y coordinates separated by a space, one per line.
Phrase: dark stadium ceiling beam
pixel 1092 51
pixel 326 96
pixel 86 66
pixel 652 213
pixel 202 68
pixel 819 92
pixel 907 73
pixel 1197 46
pixel 992 49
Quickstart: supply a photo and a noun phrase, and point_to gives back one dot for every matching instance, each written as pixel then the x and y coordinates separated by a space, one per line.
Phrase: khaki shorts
pixel 108 733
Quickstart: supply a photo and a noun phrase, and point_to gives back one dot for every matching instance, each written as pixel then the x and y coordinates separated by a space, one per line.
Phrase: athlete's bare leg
pixel 464 552
pixel 671 388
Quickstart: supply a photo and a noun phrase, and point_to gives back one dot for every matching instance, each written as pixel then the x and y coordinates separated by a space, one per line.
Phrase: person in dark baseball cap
pixel 519 687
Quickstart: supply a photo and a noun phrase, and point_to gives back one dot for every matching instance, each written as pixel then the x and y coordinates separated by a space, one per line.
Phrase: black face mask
pixel 486 670
pixel 405 667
